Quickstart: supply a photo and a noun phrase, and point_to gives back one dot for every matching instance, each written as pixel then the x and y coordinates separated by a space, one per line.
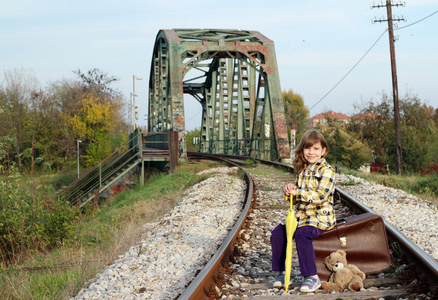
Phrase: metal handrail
pixel 100 173
pixel 102 176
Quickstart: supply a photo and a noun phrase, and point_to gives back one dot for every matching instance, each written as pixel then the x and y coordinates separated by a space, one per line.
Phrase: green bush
pixel 345 150
pixel 31 219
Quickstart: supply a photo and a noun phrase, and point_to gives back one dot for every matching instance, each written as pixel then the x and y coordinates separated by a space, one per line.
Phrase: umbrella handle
pixel 290 198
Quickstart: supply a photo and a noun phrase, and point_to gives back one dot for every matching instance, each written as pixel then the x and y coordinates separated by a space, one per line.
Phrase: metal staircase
pixel 106 174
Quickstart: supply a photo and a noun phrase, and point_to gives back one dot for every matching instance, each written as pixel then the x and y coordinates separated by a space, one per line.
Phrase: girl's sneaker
pixel 311 284
pixel 279 281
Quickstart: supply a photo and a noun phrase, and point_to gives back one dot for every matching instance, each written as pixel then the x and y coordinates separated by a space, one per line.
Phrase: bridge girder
pixel 239 90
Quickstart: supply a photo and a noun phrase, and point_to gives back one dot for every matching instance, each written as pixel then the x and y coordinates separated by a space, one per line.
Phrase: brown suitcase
pixel 364 239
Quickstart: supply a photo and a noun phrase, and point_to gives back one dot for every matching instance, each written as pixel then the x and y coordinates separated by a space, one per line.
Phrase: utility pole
pixel 292 143
pixel 390 19
pixel 135 109
pixel 78 141
pixel 130 129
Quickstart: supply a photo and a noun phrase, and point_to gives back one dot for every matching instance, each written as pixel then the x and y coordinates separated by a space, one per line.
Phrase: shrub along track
pixel 241 267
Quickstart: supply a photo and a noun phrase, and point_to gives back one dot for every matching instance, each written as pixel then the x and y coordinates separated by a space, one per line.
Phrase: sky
pixel 329 52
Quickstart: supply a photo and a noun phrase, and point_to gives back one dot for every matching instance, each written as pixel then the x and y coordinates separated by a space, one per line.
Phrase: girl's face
pixel 314 153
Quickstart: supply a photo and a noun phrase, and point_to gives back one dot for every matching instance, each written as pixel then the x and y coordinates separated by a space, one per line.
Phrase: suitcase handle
pixel 341 220
pixel 341 228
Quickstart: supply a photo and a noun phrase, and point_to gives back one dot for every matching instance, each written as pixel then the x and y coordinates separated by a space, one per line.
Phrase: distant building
pixel 365 116
pixel 321 119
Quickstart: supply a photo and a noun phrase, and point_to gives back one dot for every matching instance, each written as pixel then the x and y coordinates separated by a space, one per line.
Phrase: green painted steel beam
pixel 238 88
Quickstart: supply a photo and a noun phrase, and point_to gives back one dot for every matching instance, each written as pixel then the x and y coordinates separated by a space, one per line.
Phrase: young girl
pixel 313 194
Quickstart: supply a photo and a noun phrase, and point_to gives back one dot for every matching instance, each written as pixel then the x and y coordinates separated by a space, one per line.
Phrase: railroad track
pixel 241 266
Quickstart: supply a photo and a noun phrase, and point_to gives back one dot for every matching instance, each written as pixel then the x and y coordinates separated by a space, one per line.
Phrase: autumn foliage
pixel 39 127
pixel 95 119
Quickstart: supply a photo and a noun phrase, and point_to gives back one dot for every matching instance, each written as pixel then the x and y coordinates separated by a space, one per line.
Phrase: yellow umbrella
pixel 291 226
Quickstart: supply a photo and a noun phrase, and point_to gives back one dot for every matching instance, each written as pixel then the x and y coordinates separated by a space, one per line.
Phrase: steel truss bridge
pixel 236 82
pixel 234 76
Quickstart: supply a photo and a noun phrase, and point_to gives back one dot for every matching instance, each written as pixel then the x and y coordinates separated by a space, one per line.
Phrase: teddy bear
pixel 343 275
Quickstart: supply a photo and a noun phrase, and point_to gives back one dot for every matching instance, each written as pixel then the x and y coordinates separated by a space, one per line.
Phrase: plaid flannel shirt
pixel 314 200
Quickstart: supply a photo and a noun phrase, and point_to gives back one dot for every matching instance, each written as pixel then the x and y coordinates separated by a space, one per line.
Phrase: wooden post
pixel 394 90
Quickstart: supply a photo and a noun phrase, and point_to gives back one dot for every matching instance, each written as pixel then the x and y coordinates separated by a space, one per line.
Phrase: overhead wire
pixel 355 65
pixel 417 21
pixel 363 56
pixel 194 115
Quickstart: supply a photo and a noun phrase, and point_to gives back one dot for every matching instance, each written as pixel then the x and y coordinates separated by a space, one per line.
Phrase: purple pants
pixel 304 237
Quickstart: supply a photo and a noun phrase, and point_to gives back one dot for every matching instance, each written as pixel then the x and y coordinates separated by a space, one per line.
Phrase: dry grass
pixel 103 234
pixel 70 267
pixel 124 238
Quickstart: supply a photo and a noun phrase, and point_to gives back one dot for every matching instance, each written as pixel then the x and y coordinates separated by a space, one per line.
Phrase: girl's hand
pixel 290 189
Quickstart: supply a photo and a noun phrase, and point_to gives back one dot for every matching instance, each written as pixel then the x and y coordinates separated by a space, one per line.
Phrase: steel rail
pixel 427 261
pixel 417 252
pixel 422 256
pixel 201 283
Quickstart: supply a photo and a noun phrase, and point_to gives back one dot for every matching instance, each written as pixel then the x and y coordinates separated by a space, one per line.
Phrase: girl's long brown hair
pixel 310 138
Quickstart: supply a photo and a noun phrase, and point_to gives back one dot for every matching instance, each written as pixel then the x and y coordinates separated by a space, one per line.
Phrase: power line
pixel 417 21
pixel 364 57
pixel 355 65
pixel 194 115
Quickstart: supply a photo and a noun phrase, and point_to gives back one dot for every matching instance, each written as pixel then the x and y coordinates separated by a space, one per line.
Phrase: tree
pixel 345 148
pixel 16 121
pixel 49 134
pixel 191 135
pixel 295 110
pixel 93 110
pixel 36 124
pixel 418 128
pixel 5 141
pixel 93 123
pixel 371 126
pixel 97 82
